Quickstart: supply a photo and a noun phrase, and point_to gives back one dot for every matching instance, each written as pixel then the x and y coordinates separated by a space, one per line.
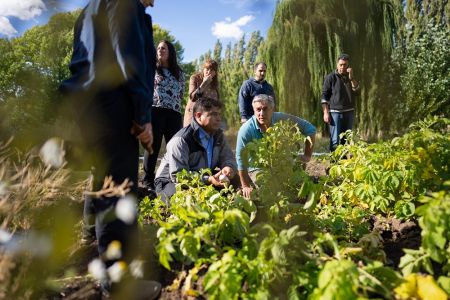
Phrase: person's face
pixel 147 3
pixel 260 72
pixel 208 72
pixel 209 120
pixel 263 112
pixel 342 66
pixel 162 52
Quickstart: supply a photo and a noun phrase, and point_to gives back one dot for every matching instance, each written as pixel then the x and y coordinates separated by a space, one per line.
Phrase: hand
pixel 243 120
pixel 214 180
pixel 227 171
pixel 147 3
pixel 246 191
pixel 326 118
pixel 305 158
pixel 145 135
pixel 350 73
pixel 208 78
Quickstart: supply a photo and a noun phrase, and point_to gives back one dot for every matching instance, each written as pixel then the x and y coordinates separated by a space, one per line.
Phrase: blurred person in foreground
pixel 202 84
pixel 264 117
pixel 111 90
pixel 200 145
pixel 338 100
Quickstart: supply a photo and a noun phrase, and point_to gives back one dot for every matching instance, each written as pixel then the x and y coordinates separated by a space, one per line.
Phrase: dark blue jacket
pixel 249 89
pixel 113 51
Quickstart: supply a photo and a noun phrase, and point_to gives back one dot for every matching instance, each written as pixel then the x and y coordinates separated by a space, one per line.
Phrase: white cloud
pixel 22 9
pixel 6 28
pixel 228 29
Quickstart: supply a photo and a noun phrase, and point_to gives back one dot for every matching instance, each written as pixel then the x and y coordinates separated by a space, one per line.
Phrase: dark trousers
pixel 105 125
pixel 340 122
pixel 166 189
pixel 166 123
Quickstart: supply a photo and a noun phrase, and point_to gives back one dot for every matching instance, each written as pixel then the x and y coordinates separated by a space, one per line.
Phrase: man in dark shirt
pixel 338 100
pixel 111 91
pixel 252 87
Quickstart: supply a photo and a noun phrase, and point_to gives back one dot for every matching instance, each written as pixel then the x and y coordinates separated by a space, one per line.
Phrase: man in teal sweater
pixel 263 118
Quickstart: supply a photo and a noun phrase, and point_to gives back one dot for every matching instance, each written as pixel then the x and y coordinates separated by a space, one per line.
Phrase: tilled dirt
pixel 397 235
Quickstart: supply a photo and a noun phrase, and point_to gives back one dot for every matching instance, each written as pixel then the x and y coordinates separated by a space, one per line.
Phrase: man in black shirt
pixel 338 100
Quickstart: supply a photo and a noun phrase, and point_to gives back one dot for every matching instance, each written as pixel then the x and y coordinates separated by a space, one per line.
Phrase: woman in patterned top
pixel 202 84
pixel 166 110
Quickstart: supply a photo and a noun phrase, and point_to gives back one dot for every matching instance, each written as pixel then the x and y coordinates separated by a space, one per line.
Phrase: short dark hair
pixel 257 65
pixel 206 104
pixel 344 56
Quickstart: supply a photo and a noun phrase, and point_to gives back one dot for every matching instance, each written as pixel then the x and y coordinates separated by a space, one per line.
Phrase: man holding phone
pixel 338 100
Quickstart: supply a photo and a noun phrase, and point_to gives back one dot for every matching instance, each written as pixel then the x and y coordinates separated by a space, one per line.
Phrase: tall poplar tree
pixel 217 54
pixel 251 52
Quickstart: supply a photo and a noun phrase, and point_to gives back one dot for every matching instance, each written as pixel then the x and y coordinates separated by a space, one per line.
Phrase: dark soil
pixel 397 235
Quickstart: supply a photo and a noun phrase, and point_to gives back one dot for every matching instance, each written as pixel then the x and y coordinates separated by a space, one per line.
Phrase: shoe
pixel 145 191
pixel 151 193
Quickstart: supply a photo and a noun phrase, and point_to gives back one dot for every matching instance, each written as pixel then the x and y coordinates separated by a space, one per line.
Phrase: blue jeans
pixel 340 122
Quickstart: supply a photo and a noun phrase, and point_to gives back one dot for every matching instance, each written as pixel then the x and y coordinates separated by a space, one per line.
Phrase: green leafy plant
pixel 435 223
pixel 390 176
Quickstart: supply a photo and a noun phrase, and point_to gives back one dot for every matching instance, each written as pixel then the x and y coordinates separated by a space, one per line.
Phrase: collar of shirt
pixel 203 135
pixel 259 82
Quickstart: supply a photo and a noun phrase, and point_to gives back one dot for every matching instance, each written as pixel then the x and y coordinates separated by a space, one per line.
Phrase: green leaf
pixel 190 246
pixel 312 201
pixel 444 282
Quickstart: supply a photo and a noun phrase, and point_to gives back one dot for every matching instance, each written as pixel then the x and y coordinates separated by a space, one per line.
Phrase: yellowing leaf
pixel 420 287
pixel 428 289
pixel 408 289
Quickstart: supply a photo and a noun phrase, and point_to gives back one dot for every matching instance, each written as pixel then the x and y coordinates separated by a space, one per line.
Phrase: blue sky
pixel 197 24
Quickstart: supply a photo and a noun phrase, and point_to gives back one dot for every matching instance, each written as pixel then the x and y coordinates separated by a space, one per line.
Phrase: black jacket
pixel 338 93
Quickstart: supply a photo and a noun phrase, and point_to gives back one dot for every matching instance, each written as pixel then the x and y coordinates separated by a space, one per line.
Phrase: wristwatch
pixel 205 179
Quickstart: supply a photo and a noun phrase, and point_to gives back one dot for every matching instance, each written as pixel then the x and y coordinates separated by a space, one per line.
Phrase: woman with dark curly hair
pixel 202 84
pixel 166 110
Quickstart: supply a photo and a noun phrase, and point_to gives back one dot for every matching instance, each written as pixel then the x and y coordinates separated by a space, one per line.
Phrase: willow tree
pixel 302 46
